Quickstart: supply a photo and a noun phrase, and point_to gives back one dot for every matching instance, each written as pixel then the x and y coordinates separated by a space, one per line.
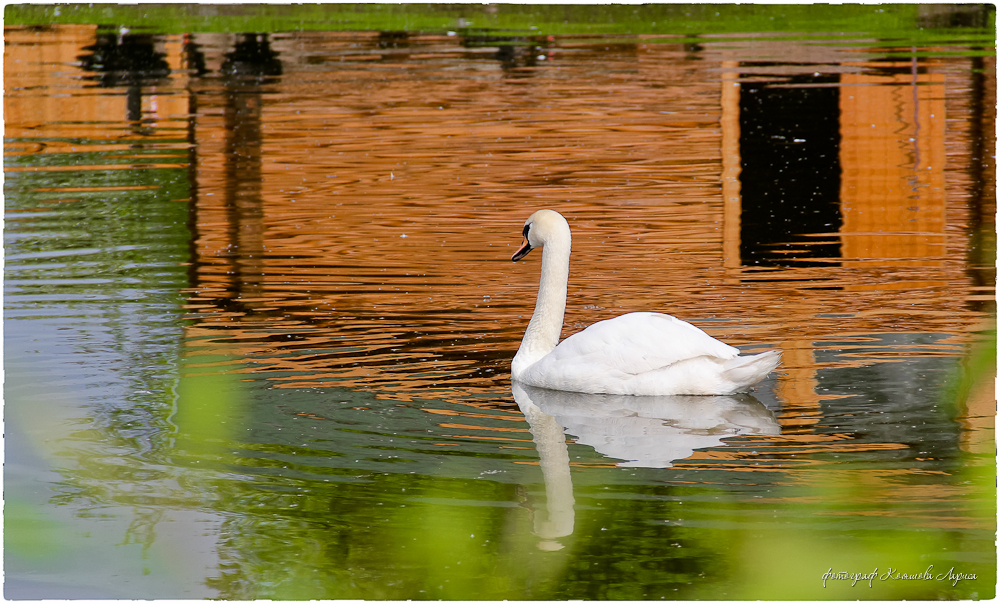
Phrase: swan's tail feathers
pixel 748 370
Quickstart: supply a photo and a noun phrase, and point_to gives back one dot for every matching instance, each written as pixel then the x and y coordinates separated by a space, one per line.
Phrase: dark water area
pixel 259 312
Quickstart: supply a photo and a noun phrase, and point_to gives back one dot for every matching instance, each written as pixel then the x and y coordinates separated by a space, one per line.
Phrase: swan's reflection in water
pixel 643 431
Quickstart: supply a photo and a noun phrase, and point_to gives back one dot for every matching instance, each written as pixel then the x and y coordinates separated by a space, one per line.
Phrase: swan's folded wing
pixel 629 345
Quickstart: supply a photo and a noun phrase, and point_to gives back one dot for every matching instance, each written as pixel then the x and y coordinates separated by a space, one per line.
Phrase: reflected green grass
pixel 886 20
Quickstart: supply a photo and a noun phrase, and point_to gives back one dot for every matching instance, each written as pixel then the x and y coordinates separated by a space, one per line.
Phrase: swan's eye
pixel 525 231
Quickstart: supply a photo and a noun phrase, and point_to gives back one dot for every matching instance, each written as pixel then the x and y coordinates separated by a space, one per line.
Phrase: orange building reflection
pixel 893 157
pixel 893 202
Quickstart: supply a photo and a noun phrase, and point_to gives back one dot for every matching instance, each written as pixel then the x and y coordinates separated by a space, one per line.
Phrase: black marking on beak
pixel 525 247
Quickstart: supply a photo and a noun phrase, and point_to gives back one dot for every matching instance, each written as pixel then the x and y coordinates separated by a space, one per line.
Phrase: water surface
pixel 259 314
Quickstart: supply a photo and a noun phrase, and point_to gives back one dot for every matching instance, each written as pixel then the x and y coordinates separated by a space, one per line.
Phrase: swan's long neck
pixel 543 330
pixel 556 520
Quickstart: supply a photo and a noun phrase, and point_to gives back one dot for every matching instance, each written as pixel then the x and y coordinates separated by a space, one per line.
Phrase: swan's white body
pixel 641 353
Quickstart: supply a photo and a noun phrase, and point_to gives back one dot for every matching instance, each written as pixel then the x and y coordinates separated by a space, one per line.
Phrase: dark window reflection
pixel 790 180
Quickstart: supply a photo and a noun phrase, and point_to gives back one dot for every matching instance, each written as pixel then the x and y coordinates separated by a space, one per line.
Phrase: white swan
pixel 640 353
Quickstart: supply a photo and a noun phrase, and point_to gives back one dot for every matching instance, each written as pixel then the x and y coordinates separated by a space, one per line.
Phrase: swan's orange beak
pixel 521 251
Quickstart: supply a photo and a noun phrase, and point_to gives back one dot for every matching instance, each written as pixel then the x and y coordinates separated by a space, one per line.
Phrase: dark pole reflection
pixel 194 62
pixel 982 246
pixel 246 70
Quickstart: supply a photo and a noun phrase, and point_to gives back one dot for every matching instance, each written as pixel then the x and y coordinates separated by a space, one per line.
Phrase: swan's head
pixel 544 226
